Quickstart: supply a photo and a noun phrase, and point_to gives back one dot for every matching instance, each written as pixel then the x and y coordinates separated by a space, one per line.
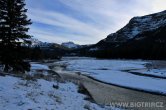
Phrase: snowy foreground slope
pixel 116 72
pixel 21 94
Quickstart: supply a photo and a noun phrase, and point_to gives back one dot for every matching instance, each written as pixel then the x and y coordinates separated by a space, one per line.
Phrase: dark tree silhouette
pixel 13 33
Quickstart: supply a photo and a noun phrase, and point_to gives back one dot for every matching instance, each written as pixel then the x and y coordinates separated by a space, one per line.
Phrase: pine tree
pixel 13 32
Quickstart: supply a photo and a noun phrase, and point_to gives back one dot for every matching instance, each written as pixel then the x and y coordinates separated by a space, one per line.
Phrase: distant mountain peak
pixel 38 43
pixel 70 45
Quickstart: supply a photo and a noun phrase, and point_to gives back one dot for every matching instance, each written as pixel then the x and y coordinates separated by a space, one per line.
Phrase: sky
pixel 84 21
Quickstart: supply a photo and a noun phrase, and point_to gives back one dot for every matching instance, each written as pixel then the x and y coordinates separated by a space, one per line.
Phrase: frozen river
pixel 119 72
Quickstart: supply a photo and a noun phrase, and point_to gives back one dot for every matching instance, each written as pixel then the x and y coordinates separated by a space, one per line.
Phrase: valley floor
pixel 55 85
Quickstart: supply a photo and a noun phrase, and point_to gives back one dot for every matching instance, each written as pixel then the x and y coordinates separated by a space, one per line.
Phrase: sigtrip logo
pixel 138 104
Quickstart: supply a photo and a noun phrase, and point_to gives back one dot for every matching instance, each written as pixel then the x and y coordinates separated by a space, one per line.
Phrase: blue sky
pixel 84 21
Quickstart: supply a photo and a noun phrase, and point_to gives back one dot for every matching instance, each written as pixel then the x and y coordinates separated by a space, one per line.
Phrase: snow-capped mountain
pixel 70 45
pixel 34 41
pixel 143 37
pixel 138 25
pixel 37 43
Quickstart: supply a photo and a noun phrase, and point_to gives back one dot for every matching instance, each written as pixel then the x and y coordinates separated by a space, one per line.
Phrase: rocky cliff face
pixel 138 25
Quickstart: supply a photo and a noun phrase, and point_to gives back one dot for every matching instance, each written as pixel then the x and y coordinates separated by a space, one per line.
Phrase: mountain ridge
pixel 138 25
pixel 143 37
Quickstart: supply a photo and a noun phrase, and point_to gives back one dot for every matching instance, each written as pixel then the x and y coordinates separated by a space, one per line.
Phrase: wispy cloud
pixel 51 36
pixel 82 29
pixel 85 21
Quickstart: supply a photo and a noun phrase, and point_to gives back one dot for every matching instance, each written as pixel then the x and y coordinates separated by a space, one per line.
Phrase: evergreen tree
pixel 13 33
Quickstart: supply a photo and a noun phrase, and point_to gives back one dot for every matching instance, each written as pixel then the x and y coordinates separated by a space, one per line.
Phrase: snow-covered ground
pixel 36 66
pixel 40 95
pixel 112 71
pixel 155 72
pixel 21 94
